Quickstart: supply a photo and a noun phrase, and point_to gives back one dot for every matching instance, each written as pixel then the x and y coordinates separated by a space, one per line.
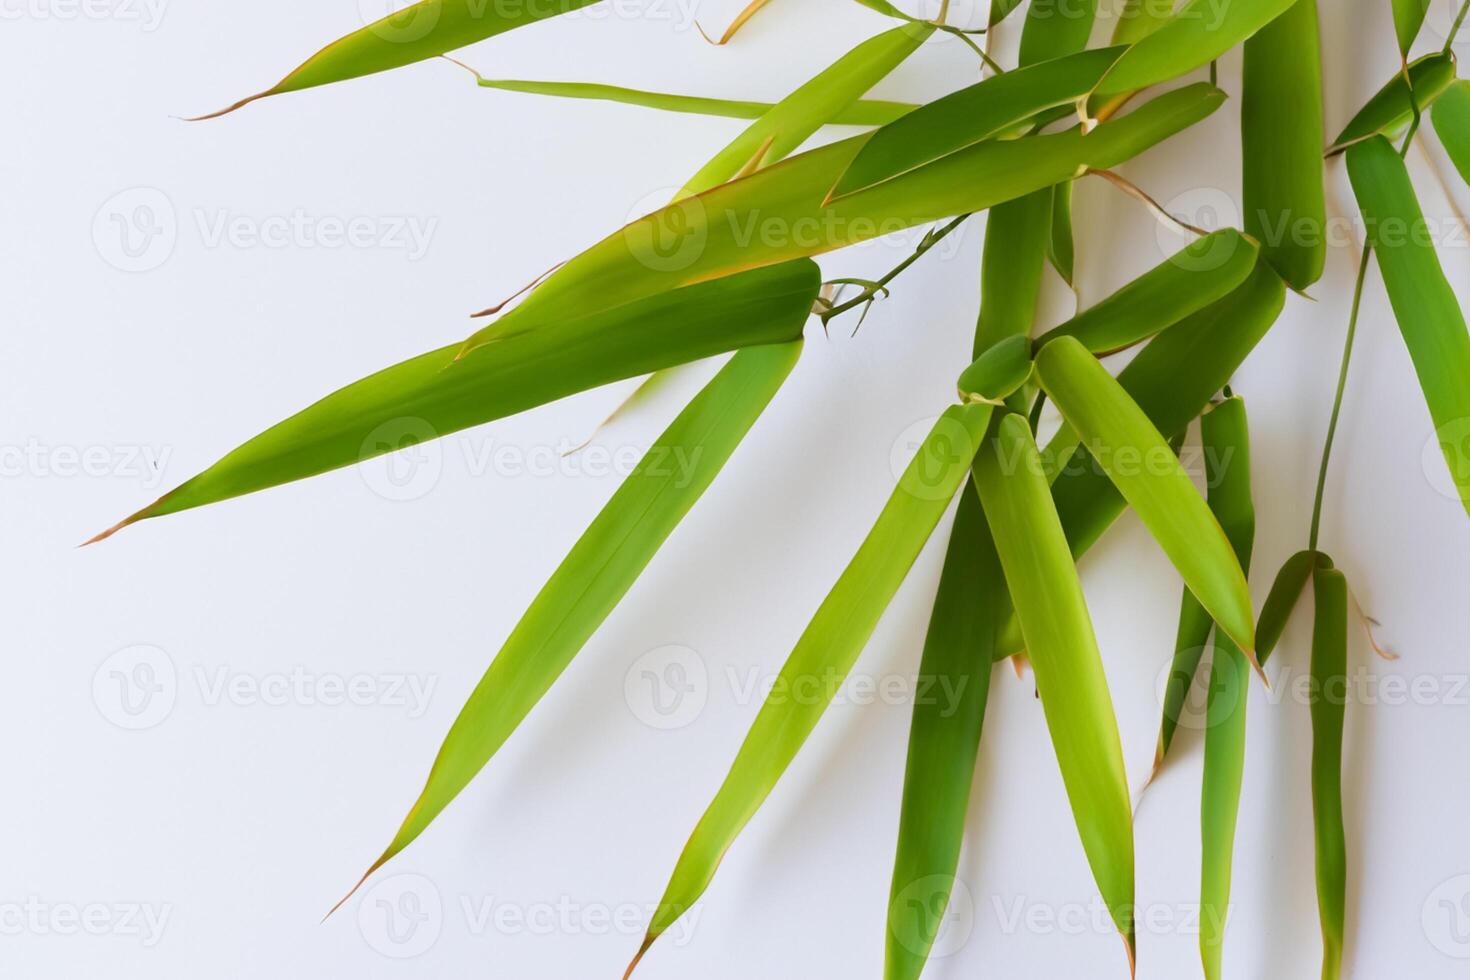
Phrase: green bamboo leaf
pixel 999 9
pixel 1423 302
pixel 1392 107
pixel 1190 638
pixel 1140 18
pixel 1063 650
pixel 1408 19
pixel 826 652
pixel 425 30
pixel 1016 234
pixel 1282 599
pixel 598 572
pixel 1225 434
pixel 433 395
pixel 1198 275
pixel 1054 29
pixel 864 112
pixel 1148 475
pixel 741 19
pixel 777 133
pixel 944 740
pixel 1060 251
pixel 999 372
pixel 778 213
pixel 972 115
pixel 1281 137
pixel 1199 32
pixel 1329 701
pixel 1451 116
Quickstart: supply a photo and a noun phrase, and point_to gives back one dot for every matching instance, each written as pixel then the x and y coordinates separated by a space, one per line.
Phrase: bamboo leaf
pixel 1391 108
pixel 1188 281
pixel 741 19
pixel 1063 650
pixel 1016 234
pixel 1060 250
pixel 778 213
pixel 999 10
pixel 1451 116
pixel 972 115
pixel 1329 697
pixel 1140 18
pixel 1199 32
pixel 598 572
pixel 777 133
pixel 1054 30
pixel 440 395
pixel 1282 599
pixel 1148 475
pixel 860 113
pixel 826 652
pixel 1429 316
pixel 944 740
pixel 1408 19
pixel 1225 434
pixel 999 372
pixel 425 30
pixel 1281 135
pixel 1190 638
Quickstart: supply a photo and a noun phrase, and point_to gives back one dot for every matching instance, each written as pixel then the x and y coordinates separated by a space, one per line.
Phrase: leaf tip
pixel 231 108
pixel 648 941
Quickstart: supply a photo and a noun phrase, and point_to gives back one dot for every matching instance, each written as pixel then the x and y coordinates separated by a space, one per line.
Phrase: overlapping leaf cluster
pixel 682 284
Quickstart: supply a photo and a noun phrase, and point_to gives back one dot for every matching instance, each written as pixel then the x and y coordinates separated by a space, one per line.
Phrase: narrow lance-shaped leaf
pixel 1060 248
pixel 1428 314
pixel 826 652
pixel 1140 18
pixel 861 113
pixel 1185 283
pixel 1190 637
pixel 598 571
pixel 777 213
pixel 433 395
pixel 944 740
pixel 741 19
pixel 1016 234
pixel 1063 650
pixel 998 372
pixel 1055 28
pixel 971 115
pixel 425 30
pixel 777 133
pixel 1451 116
pixel 1392 106
pixel 1281 137
pixel 1148 475
pixel 1198 33
pixel 1408 19
pixel 1329 703
pixel 1225 435
pixel 1290 582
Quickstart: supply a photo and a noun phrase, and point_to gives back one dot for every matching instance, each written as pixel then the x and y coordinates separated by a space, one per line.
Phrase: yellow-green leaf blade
pixel 944 739
pixel 1329 697
pixel 433 395
pixel 1392 106
pixel 1451 115
pixel 599 570
pixel 827 650
pixel 1286 590
pixel 1199 32
pixel 1428 313
pixel 1408 19
pixel 1146 472
pixel 1281 137
pixel 1063 651
pixel 1016 235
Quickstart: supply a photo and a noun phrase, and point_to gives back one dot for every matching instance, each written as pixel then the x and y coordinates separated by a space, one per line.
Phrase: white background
pixel 238 820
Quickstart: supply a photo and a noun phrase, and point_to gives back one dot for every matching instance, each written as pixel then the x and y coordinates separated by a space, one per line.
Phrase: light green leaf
pixel 999 372
pixel 1391 108
pixel 1199 32
pixel 425 30
pixel 433 395
pixel 1329 703
pixel 1408 19
pixel 1060 250
pixel 826 651
pixel 1281 137
pixel 1063 652
pixel 1452 124
pixel 860 113
pixel 1225 435
pixel 1190 638
pixel 1282 599
pixel 1055 28
pixel 1016 234
pixel 971 115
pixel 599 571
pixel 1429 316
pixel 944 740
pixel 1188 281
pixel 1146 472
pixel 1140 18
pixel 777 133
